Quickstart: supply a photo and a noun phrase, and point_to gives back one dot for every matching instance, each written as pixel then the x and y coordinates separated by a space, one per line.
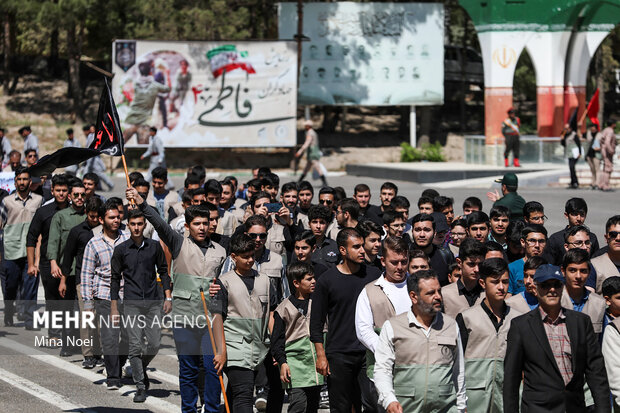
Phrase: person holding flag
pixel 510 130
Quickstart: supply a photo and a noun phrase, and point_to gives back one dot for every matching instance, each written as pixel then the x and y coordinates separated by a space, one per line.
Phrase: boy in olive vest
pixel 611 337
pixel 575 296
pixel 484 328
pixel 251 300
pixel 291 346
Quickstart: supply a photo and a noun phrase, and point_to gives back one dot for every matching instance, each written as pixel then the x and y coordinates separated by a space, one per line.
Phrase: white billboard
pixel 207 94
pixel 369 53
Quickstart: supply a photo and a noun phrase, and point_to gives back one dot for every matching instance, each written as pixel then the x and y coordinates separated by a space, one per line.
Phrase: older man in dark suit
pixel 554 350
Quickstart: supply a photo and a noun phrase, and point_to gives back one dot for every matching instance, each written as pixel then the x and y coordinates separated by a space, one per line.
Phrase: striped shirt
pixel 559 342
pixel 96 269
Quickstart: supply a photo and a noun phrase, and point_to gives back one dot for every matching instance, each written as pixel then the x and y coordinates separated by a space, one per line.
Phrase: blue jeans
pixel 14 271
pixel 191 343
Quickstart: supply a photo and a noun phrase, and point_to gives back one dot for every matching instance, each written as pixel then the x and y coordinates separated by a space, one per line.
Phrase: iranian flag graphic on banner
pixel 227 58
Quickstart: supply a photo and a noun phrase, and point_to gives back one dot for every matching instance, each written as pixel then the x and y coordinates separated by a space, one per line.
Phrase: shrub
pixel 428 152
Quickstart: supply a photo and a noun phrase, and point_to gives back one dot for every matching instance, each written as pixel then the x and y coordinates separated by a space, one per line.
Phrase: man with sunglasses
pixel 269 392
pixel 62 223
pixel 575 211
pixel 31 157
pixel 327 198
pixel 608 264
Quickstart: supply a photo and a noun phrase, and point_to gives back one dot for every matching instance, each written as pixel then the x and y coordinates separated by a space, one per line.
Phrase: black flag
pixel 108 134
pixel 108 140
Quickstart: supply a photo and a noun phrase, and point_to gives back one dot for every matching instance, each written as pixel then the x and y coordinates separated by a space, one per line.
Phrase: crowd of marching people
pixel 320 296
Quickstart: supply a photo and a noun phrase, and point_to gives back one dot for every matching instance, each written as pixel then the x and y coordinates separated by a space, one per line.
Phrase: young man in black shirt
pixel 137 261
pixel 344 362
pixel 325 251
pixel 74 251
pixel 40 226
pixel 423 234
pixel 372 234
pixel 576 212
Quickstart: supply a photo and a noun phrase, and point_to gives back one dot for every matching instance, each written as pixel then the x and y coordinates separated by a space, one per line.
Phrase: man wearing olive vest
pixel 251 302
pixel 575 269
pixel 419 358
pixel 268 388
pixel 608 264
pixel 384 298
pixel 484 329
pixel 467 291
pixel 196 262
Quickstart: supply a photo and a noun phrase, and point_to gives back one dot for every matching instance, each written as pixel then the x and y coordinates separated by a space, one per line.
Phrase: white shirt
pixel 364 321
pixel 611 353
pixel 384 364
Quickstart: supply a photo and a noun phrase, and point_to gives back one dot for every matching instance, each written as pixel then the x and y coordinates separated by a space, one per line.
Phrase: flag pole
pixel 585 113
pixel 125 168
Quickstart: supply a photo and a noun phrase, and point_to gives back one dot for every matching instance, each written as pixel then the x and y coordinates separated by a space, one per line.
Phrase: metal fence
pixel 533 149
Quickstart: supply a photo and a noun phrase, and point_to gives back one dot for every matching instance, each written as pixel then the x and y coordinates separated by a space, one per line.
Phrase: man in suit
pixel 554 350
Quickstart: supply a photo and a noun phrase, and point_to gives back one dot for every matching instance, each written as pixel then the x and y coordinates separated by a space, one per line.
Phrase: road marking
pixel 54 361
pixel 163 376
pixel 48 396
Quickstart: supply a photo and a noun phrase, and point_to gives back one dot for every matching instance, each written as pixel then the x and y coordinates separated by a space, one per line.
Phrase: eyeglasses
pixel 79 195
pixel 586 243
pixel 31 156
pixel 326 201
pixel 262 235
pixel 531 242
pixel 613 234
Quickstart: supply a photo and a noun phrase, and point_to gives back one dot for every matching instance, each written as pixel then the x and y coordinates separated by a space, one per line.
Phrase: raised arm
pixel 170 237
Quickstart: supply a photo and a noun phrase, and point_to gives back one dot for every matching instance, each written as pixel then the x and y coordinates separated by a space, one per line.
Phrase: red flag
pixel 593 108
pixel 108 134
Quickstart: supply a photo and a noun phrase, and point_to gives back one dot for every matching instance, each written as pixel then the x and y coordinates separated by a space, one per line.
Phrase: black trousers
pixel 240 389
pixel 268 377
pixel 512 144
pixel 68 304
pixel 348 384
pixel 53 299
pixel 573 173
pixel 304 399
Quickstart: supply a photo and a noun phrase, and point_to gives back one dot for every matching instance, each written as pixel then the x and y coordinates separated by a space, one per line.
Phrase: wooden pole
pixel 132 202
pixel 219 375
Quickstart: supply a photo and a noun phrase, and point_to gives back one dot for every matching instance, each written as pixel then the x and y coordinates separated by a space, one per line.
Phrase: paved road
pixel 38 380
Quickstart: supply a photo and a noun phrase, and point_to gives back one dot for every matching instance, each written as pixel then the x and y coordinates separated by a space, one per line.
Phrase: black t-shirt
pixel 334 298
pixel 440 260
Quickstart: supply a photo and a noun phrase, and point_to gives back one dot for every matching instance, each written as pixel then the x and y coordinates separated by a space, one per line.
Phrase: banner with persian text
pixel 369 53
pixel 207 94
